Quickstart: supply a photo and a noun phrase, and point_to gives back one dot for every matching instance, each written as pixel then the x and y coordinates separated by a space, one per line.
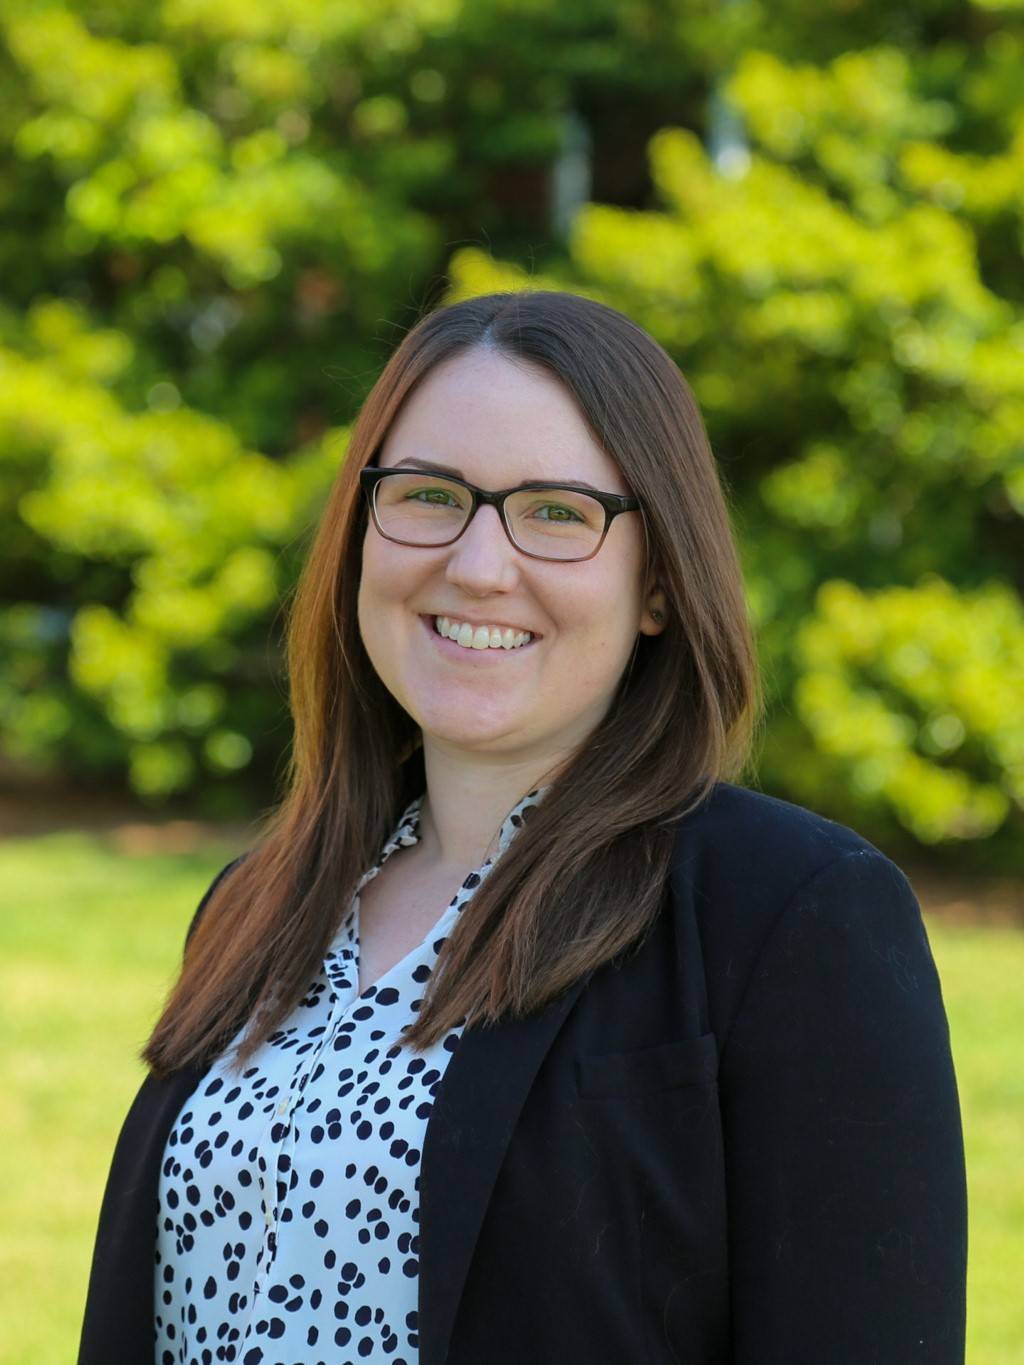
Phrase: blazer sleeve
pixel 844 1148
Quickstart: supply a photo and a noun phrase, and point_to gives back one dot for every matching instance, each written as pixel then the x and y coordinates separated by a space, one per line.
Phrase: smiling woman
pixel 522 1032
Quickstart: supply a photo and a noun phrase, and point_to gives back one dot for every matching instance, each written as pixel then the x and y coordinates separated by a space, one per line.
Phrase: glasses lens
pixel 558 523
pixel 422 509
pixel 555 523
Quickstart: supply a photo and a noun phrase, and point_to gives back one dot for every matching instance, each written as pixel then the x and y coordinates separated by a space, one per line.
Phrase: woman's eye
pixel 565 512
pixel 429 493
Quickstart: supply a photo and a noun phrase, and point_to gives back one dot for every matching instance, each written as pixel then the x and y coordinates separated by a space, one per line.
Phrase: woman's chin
pixel 465 718
pixel 453 730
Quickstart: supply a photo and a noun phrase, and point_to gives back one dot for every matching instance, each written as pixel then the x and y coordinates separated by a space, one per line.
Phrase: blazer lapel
pixel 475 1111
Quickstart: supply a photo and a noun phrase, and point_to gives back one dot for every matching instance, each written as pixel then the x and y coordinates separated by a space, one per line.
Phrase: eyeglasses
pixel 543 520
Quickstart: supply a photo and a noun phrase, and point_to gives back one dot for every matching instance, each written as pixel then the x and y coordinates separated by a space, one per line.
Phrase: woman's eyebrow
pixel 433 467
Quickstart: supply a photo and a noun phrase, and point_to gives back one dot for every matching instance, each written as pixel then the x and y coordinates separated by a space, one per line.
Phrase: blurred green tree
pixel 847 311
pixel 215 221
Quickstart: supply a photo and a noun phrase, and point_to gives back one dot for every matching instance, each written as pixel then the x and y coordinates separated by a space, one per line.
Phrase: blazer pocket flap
pixel 687 1061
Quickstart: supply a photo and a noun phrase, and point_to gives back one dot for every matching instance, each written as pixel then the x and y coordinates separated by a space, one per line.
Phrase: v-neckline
pixel 415 951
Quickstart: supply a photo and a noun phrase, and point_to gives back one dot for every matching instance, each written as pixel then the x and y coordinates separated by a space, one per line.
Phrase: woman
pixel 664 1076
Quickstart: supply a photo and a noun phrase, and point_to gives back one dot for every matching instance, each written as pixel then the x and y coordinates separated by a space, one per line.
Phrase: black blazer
pixel 739 1145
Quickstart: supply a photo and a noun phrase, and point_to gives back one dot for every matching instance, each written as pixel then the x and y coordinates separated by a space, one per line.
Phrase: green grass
pixel 90 940
pixel 89 943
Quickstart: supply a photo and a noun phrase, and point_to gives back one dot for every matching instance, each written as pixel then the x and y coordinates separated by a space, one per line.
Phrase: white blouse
pixel 289 1195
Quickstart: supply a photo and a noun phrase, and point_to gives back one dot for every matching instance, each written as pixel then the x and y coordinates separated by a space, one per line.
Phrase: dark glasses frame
pixel 614 505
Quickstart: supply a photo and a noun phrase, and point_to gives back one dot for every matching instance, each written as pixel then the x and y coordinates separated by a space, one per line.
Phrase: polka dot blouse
pixel 289 1196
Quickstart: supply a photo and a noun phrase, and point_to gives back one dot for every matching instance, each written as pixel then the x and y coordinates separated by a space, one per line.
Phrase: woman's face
pixel 497 423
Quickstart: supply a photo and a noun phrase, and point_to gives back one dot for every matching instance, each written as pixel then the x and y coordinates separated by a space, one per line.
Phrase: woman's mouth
pixel 477 653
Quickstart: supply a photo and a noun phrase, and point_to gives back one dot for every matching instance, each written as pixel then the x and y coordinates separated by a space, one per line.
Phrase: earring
pixel 657 615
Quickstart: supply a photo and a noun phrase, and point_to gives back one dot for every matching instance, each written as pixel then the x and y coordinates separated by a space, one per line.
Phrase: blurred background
pixel 218 218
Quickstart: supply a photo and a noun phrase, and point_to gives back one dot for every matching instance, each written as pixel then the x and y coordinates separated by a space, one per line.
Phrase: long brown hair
pixel 589 881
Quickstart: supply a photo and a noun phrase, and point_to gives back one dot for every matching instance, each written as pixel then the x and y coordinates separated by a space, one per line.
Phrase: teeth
pixel 482 637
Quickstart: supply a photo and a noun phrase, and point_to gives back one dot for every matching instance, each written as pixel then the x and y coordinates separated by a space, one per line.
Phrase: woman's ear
pixel 655 613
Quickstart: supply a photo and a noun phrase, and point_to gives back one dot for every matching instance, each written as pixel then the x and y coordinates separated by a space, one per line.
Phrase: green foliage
pixel 192 531
pixel 894 684
pixel 216 219
pixel 847 315
pixel 208 211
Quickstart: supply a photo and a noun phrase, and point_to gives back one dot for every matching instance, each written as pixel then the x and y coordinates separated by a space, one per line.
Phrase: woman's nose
pixel 483 553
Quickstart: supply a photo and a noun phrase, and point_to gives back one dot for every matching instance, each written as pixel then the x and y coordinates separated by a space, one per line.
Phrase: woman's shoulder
pixel 757 851
pixel 742 857
pixel 224 872
pixel 780 835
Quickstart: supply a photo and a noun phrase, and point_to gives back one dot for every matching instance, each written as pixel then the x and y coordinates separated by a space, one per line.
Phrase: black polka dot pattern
pixel 288 1203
